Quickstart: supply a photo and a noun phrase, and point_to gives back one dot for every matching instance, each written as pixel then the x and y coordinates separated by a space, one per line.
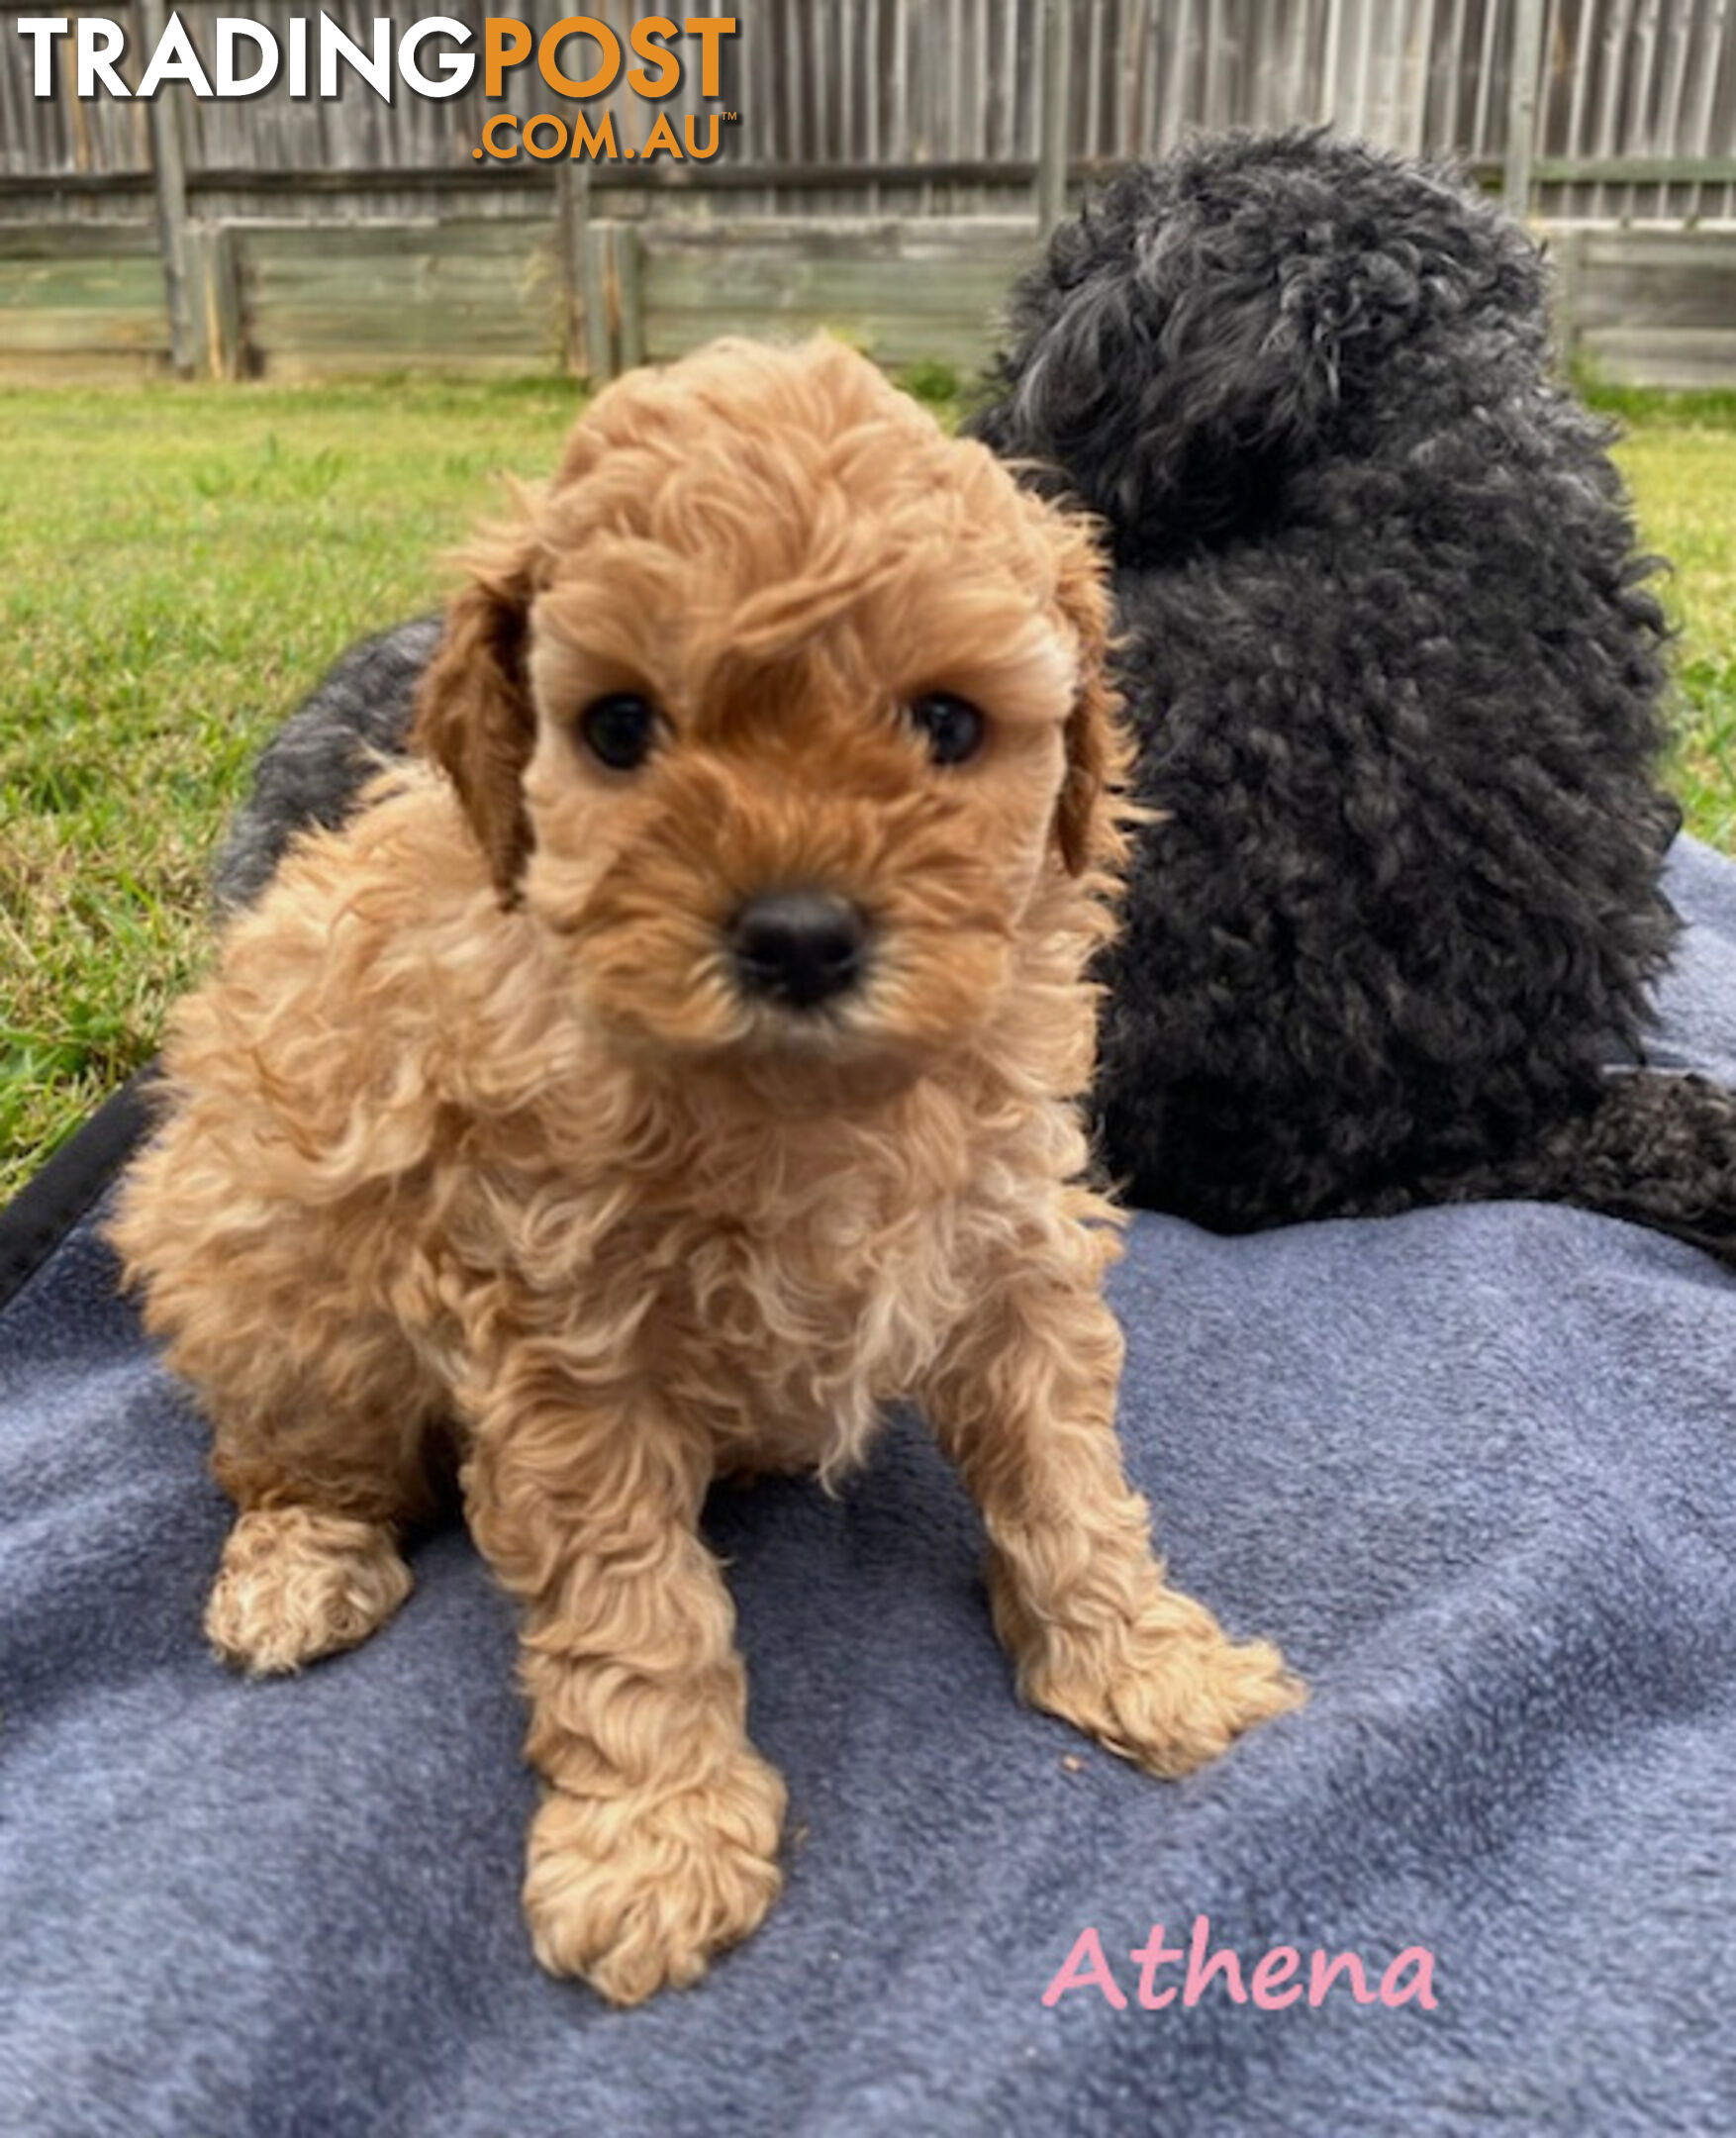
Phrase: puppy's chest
pixel 815 1311
pixel 784 1317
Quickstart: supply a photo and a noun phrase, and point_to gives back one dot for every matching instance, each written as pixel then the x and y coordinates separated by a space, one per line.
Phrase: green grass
pixel 182 562
pixel 1680 461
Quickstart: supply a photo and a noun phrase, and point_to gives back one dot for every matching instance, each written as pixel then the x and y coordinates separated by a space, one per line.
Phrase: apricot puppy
pixel 675 1062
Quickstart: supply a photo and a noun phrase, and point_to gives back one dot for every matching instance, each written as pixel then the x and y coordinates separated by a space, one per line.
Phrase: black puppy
pixel 1396 675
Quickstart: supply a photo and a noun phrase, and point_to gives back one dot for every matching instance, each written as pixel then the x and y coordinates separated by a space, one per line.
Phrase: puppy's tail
pixel 1655 1148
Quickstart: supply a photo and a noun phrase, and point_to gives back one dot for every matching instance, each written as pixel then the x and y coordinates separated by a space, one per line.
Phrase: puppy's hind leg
pixel 1653 1147
pixel 296 1584
pixel 324 1414
pixel 313 1564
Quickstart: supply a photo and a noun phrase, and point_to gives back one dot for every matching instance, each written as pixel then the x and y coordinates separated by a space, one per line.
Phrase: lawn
pixel 183 562
pixel 1680 461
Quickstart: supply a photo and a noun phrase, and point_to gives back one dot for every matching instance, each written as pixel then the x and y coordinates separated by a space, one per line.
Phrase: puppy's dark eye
pixel 953 726
pixel 619 731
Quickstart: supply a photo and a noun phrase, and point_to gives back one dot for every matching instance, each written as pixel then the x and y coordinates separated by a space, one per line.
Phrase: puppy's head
pixel 1249 307
pixel 785 711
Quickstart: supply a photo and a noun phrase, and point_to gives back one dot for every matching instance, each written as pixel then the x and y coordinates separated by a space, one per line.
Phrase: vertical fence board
pixel 1053 105
pixel 1616 24
pixel 596 276
pixel 1525 56
pixel 168 158
pixel 912 86
pixel 1666 123
pixel 628 254
pixel 1368 25
pixel 1707 98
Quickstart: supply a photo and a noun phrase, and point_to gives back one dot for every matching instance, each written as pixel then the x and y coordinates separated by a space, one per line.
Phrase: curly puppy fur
pixel 500 1115
pixel 1394 675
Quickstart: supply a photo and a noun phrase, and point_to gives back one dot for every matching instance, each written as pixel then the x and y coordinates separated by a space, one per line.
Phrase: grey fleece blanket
pixel 1476 1469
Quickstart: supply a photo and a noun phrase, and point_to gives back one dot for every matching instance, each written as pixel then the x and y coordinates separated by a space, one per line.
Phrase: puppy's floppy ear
pixel 474 711
pixel 1086 829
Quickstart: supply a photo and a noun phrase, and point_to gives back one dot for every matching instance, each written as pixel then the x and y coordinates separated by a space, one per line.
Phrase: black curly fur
pixel 317 763
pixel 1396 672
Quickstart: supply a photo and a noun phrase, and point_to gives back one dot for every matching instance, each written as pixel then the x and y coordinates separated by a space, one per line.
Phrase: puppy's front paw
pixel 637 1892
pixel 296 1584
pixel 1167 1688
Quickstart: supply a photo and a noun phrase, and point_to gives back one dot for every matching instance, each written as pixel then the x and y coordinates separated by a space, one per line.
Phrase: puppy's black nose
pixel 799 947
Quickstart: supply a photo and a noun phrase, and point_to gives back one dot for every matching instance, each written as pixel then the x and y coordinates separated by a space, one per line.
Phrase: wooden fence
pixel 935 105
pixel 287 301
pixel 280 237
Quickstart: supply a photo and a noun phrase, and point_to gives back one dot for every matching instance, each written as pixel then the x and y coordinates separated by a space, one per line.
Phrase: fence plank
pixel 75 241
pixel 464 294
pixel 596 279
pixel 1609 139
pixel 945 82
pixel 921 290
pixel 1053 108
pixel 168 159
pixel 572 213
pixel 630 288
pixel 226 334
pixel 1584 52
pixel 1664 123
pixel 845 104
pixel 1698 142
pixel 1684 357
pixel 1687 279
pixel 1524 60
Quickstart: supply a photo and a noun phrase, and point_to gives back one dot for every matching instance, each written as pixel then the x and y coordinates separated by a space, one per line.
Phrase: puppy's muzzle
pixel 799 948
